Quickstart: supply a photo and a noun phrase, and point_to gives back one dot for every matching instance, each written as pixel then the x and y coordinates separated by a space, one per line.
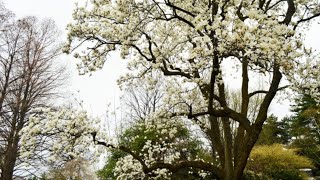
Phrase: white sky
pixel 101 88
pixel 97 90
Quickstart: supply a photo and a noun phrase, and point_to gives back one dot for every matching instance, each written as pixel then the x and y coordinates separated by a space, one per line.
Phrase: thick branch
pixel 239 14
pixel 166 72
pixel 214 73
pixel 214 135
pixel 226 112
pixel 171 167
pixel 185 164
pixel 290 12
pixel 168 3
pixel 265 92
pixel 244 87
pixel 262 115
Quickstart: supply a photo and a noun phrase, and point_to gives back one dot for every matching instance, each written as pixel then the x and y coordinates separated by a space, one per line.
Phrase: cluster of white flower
pixel 162 174
pixel 128 168
pixel 306 78
pixel 141 31
pixel 59 135
pixel 167 147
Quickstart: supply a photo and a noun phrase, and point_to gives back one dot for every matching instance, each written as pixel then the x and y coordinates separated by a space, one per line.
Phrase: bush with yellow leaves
pixel 277 162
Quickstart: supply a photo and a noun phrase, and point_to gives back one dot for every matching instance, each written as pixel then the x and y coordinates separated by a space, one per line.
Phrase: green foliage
pixel 32 178
pixel 302 130
pixel 303 103
pixel 250 175
pixel 107 171
pixel 274 131
pixel 277 162
pixel 42 177
pixel 135 138
pixel 304 127
pixel 307 118
pixel 285 174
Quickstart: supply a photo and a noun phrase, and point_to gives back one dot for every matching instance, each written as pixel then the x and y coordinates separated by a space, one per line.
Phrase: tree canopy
pixel 28 79
pixel 304 127
pixel 197 46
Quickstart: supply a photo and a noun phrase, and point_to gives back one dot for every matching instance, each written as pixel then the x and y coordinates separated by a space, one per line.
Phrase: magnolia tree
pixel 197 46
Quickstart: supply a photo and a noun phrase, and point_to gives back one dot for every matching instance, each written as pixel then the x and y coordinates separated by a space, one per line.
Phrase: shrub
pixel 286 174
pixel 250 175
pixel 277 162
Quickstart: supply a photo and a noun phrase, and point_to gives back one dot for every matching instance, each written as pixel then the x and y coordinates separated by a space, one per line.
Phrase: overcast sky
pixel 97 90
pixel 101 88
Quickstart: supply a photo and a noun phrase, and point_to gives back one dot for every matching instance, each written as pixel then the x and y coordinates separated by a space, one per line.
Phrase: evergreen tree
pixel 274 131
pixel 304 127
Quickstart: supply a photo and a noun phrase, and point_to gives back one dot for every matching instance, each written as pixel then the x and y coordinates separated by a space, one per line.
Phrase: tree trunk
pixel 12 148
pixel 10 159
pixel 229 169
pixel 249 139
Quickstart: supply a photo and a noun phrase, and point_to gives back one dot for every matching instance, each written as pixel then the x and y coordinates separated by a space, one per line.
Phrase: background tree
pixel 195 44
pixel 5 15
pixel 28 80
pixel 275 131
pixel 304 127
pixel 76 169
pixel 140 99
